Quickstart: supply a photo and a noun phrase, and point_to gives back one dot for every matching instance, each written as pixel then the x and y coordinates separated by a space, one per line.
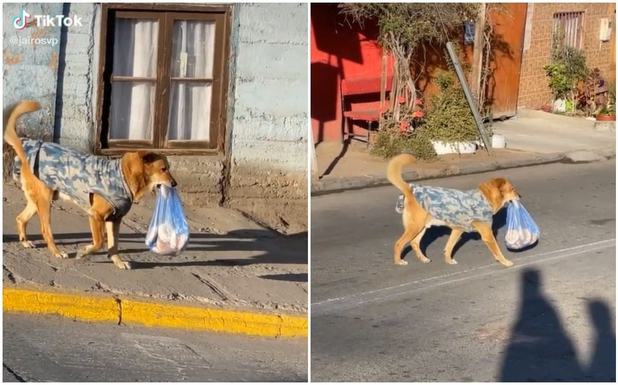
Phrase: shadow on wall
pixel 539 348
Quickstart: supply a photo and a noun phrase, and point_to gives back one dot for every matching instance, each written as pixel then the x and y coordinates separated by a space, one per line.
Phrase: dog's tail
pixel 393 174
pixel 10 134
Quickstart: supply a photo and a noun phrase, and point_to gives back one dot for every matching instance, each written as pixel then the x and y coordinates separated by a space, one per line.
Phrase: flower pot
pixel 443 148
pixel 606 118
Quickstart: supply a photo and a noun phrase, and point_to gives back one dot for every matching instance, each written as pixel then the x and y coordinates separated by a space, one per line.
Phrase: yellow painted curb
pixel 153 314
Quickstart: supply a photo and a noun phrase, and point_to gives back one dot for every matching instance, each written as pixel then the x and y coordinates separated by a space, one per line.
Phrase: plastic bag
pixel 168 233
pixel 521 230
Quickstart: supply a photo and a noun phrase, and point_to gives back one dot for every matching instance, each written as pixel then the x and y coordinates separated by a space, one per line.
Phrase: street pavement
pixel 548 318
pixel 50 348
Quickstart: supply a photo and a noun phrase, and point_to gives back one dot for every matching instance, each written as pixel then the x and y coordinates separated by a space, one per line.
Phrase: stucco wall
pixel 266 159
pixel 269 120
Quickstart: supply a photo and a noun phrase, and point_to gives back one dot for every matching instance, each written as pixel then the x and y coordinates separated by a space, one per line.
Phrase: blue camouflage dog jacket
pixel 455 207
pixel 77 175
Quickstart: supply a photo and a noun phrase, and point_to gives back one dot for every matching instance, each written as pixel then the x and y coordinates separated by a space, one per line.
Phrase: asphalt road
pixel 48 348
pixel 548 318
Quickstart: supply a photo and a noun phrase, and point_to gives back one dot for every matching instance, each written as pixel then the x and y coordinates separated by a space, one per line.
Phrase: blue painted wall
pixel 268 109
pixel 31 59
pixel 270 82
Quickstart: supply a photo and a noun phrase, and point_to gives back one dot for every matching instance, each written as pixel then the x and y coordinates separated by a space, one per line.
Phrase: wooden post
pixel 477 67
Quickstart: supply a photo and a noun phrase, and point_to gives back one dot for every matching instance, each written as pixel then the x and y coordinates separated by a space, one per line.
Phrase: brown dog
pixel 105 189
pixel 462 211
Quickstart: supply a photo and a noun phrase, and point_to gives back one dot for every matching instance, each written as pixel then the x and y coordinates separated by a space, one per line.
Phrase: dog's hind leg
pixel 450 244
pixel 22 223
pixel 416 246
pixel 487 236
pixel 43 202
pixel 410 233
pixel 113 230
pixel 97 227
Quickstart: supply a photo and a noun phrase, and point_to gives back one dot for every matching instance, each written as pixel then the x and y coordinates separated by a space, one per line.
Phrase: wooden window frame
pixel 166 14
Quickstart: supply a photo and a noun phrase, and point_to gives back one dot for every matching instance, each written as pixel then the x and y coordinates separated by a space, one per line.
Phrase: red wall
pixel 338 51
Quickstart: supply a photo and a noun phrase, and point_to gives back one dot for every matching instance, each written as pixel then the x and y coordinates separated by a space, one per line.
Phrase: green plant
pixel 448 116
pixel 567 68
pixel 392 141
pixel 559 81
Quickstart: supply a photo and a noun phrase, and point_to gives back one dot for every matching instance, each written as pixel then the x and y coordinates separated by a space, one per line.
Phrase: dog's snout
pixel 174 184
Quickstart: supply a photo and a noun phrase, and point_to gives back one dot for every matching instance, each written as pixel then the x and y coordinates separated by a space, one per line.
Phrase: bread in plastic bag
pixel 521 230
pixel 168 233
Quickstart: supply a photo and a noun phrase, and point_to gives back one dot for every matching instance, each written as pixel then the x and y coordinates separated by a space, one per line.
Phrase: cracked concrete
pixel 230 263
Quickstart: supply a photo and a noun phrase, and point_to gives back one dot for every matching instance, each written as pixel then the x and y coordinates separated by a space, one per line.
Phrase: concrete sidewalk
pixel 234 272
pixel 533 137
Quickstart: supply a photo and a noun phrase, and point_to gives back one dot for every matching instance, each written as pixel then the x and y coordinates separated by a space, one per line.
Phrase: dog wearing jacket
pixel 463 211
pixel 104 188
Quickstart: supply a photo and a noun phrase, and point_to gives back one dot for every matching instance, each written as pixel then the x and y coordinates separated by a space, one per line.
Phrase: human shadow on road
pixel 603 364
pixel 539 348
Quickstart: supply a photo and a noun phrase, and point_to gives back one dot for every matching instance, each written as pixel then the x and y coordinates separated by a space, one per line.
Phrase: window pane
pixel 135 48
pixel 190 111
pixel 132 110
pixel 193 48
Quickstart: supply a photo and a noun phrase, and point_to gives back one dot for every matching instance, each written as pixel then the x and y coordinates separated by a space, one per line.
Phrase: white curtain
pixel 192 57
pixel 135 54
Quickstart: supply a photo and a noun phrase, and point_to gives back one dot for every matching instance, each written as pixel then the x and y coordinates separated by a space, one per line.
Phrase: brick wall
pixel 533 91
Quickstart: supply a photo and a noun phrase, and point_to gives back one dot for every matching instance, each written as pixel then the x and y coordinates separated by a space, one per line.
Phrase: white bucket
pixel 498 141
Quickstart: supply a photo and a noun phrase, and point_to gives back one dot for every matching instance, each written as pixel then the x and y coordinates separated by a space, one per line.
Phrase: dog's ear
pixel 492 189
pixel 500 183
pixel 147 156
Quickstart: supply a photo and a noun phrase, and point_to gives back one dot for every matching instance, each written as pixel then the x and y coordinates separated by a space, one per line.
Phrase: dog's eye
pixel 164 169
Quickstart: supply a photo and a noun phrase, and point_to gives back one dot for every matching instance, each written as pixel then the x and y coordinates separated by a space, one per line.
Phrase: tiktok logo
pixel 19 22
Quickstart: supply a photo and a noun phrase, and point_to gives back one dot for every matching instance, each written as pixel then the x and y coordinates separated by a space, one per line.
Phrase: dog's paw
pixel 425 260
pixel 27 244
pixel 402 263
pixel 507 263
pixel 82 255
pixel 123 265
pixel 61 254
pixel 451 261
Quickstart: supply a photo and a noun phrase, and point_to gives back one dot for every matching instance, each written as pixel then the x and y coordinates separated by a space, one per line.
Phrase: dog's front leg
pixel 113 230
pixel 487 236
pixel 97 227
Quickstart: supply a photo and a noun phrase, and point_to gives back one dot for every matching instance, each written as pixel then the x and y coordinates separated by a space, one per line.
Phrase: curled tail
pixel 393 174
pixel 10 134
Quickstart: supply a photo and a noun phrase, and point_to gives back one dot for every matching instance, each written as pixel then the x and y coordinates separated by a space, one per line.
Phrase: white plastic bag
pixel 168 233
pixel 521 230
